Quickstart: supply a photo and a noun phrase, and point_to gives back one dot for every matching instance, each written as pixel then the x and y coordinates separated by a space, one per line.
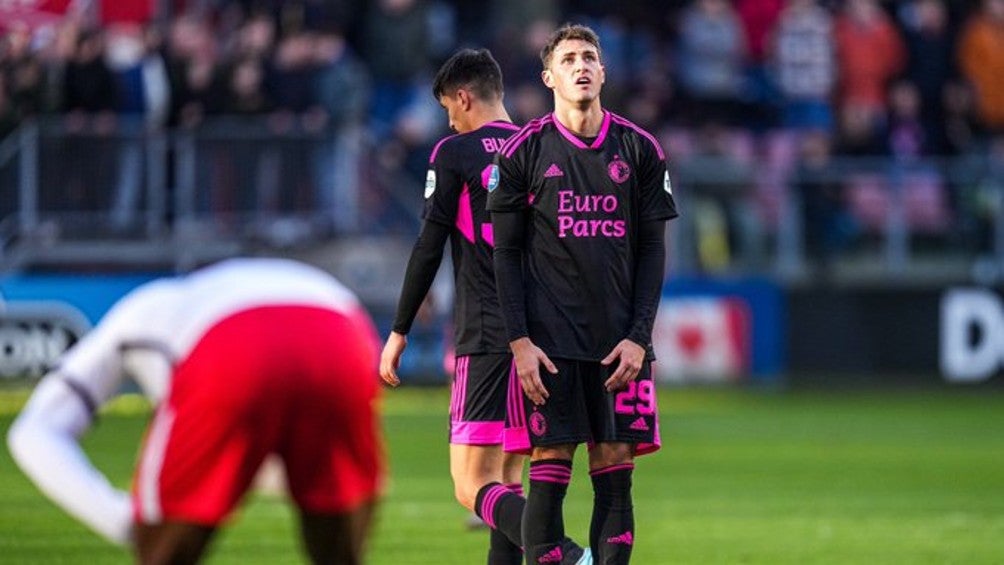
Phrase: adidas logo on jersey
pixel 553 556
pixel 624 539
pixel 553 171
pixel 639 425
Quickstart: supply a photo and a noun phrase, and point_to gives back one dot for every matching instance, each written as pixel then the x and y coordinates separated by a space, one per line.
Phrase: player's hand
pixel 631 356
pixel 390 358
pixel 528 358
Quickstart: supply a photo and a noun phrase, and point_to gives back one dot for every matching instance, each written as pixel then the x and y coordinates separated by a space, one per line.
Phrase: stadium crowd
pixel 760 91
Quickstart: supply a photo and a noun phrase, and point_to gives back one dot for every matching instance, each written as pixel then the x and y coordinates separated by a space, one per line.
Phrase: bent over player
pixel 579 205
pixel 243 359
pixel 469 87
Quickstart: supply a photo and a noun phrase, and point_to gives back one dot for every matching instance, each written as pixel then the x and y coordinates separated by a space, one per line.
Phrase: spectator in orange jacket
pixel 981 58
pixel 870 53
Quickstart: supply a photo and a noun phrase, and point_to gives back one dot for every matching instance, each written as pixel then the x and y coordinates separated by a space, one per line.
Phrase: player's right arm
pixel 509 228
pixel 508 204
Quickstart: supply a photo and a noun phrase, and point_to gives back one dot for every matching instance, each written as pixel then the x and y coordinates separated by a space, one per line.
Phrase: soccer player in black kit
pixel 486 480
pixel 579 201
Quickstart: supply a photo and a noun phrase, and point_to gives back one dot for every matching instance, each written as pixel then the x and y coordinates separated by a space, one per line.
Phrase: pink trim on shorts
pixel 516 440
pixel 459 388
pixel 646 448
pixel 476 433
pixel 516 436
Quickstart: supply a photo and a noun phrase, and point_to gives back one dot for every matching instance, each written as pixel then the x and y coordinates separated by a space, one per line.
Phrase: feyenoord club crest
pixel 538 425
pixel 619 170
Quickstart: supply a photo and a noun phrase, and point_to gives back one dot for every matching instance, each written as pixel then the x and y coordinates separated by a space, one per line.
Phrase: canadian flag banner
pixel 702 339
pixel 31 13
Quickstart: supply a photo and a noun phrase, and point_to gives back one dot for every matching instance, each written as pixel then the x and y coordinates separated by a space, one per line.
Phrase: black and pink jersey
pixel 586 198
pixel 455 195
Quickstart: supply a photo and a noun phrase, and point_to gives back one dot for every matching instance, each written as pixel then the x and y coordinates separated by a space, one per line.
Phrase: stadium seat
pixel 927 204
pixel 778 157
pixel 867 199
pixel 925 201
pixel 742 145
pixel 781 149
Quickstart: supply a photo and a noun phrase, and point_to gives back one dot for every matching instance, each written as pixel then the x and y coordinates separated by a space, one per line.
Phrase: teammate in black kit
pixel 486 480
pixel 579 203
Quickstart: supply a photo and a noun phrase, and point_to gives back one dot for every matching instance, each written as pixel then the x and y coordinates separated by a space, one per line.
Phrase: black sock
pixel 543 522
pixel 502 551
pixel 502 510
pixel 508 517
pixel 611 533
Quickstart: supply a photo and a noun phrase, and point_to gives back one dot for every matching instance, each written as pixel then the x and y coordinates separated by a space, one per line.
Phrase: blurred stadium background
pixel 831 337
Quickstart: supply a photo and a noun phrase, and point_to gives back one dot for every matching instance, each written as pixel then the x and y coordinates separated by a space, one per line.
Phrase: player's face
pixel 575 73
pixel 456 106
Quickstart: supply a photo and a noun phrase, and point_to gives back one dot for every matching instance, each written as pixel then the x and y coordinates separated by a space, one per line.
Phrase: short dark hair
pixel 568 31
pixel 475 69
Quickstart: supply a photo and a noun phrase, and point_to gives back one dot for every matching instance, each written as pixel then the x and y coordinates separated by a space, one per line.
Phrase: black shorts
pixel 477 403
pixel 580 410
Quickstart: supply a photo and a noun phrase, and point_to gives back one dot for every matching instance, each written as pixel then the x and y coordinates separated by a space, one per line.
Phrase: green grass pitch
pixel 743 477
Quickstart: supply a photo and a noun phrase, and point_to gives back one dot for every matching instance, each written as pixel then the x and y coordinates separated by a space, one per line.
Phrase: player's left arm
pixel 44 439
pixel 649 270
pixel 423 264
pixel 655 200
pixel 45 442
pixel 443 189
